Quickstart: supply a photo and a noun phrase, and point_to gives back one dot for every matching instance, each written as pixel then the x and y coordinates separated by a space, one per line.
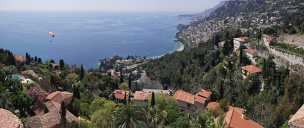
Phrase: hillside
pixel 249 16
pixel 270 97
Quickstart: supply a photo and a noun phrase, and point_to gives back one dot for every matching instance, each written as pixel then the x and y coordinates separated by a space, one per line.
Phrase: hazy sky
pixel 108 5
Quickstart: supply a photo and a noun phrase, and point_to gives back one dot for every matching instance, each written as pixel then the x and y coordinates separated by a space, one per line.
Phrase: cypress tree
pixel 125 98
pixel 39 60
pixel 153 100
pixel 61 63
pixel 241 56
pixel 63 115
pixel 130 81
pixel 121 76
pixel 76 92
pixel 27 58
pixel 81 72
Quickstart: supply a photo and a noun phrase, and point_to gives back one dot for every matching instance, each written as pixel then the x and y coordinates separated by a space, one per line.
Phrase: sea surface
pixel 86 37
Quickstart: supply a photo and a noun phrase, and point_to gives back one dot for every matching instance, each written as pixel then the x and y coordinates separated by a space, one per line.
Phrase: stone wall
pixel 292 59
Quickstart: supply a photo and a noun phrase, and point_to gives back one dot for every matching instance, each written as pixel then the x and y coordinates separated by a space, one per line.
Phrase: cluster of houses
pixel 251 53
pixel 188 102
pixel 47 109
pixel 118 66
pixel 202 30
pixel 50 117
pixel 47 115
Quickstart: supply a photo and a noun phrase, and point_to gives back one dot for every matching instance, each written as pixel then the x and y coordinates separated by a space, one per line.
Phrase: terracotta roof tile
pixel 200 99
pixel 252 69
pixel 142 96
pixel 204 93
pixel 59 97
pixel 9 120
pixel 120 94
pixel 234 118
pixel 183 96
pixel 50 119
pixel 19 58
pixel 37 93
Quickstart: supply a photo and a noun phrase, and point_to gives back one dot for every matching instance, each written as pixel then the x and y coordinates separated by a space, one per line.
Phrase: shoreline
pixel 179 48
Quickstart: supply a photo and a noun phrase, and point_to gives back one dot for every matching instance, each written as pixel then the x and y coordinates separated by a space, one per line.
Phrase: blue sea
pixel 86 37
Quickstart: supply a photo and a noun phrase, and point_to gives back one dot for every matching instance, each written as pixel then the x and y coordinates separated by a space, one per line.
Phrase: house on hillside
pixel 37 94
pixel 141 97
pixel 158 91
pixel 55 66
pixel 202 97
pixel 185 100
pixel 236 118
pixel 31 74
pixel 240 42
pixel 268 40
pixel 9 120
pixel 120 95
pixel 60 97
pixel 189 102
pixel 297 120
pixel 52 118
pixel 250 70
pixel 19 59
pixel 251 53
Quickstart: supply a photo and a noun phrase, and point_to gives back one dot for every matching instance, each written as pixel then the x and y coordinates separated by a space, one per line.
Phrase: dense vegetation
pixel 92 98
pixel 281 95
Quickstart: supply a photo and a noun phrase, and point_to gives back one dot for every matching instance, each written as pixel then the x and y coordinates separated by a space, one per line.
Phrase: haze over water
pixel 86 37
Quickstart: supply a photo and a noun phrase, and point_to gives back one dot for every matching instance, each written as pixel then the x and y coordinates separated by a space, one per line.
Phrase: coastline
pixel 179 48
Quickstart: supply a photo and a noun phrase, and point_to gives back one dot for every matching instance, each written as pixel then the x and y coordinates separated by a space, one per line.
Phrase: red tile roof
pixel 183 96
pixel 50 119
pixel 59 97
pixel 37 93
pixel 199 99
pixel 234 118
pixel 252 69
pixel 9 120
pixel 120 94
pixel 204 93
pixel 142 96
pixel 19 58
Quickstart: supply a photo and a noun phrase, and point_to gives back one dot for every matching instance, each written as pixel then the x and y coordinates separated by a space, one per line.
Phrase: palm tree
pixel 128 116
pixel 103 118
pixel 155 118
